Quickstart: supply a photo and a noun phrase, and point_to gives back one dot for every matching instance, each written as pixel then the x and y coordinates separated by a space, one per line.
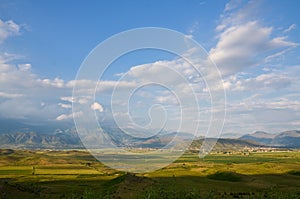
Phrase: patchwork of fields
pixel 77 174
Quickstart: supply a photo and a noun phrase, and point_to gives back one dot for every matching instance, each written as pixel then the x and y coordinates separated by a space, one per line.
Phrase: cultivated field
pixel 76 174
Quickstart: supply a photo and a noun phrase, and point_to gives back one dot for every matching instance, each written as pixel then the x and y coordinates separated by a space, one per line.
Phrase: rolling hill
pixel 260 137
pixel 226 144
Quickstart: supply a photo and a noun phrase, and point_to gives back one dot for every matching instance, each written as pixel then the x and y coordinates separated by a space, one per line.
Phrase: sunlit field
pixel 76 174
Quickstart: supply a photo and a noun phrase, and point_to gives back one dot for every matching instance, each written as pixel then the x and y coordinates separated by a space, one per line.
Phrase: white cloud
pixel 68 99
pixel 243 40
pixel 290 28
pixel 241 46
pixel 232 4
pixel 24 67
pixel 194 28
pixel 263 82
pixel 258 98
pixel 57 82
pixel 7 29
pixel 68 116
pixel 23 94
pixel 10 95
pixel 177 70
pixel 167 99
pixel 67 106
pixel 254 107
pixel 279 57
pixel 108 86
pixel 89 87
pixel 96 106
pixel 63 117
pixel 22 91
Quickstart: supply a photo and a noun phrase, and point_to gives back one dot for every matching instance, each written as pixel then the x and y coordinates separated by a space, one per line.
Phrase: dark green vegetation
pixel 76 174
pixel 225 175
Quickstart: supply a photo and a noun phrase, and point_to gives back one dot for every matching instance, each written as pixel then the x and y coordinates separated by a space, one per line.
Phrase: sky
pixel 255 45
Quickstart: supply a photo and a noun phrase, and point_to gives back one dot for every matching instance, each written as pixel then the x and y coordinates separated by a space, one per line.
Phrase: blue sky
pixel 56 36
pixel 254 43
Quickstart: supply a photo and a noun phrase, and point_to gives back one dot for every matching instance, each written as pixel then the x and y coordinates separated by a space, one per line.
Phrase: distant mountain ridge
pixel 69 140
pixel 61 135
pixel 19 125
pixel 289 139
pixel 32 140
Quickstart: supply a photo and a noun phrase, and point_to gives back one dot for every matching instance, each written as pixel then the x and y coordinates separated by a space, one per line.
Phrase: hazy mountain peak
pixel 291 133
pixel 262 134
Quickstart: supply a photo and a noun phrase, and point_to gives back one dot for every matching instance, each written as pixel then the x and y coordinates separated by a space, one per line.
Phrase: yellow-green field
pixel 76 174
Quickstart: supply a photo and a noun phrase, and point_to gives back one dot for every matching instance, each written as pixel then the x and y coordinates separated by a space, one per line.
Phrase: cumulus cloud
pixel 96 106
pixel 178 71
pixel 23 94
pixel 57 82
pixel 242 42
pixel 243 45
pixel 259 97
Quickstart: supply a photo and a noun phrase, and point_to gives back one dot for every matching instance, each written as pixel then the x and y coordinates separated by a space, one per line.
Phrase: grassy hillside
pixel 226 144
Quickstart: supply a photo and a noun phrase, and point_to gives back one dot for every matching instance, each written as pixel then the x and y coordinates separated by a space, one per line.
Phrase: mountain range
pixel 54 135
pixel 290 139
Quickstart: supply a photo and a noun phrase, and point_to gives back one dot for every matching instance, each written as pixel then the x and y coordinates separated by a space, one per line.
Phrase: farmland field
pixel 76 174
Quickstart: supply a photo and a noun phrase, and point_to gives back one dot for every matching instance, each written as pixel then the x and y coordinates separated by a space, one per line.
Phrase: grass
pixel 225 176
pixel 296 173
pixel 76 174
